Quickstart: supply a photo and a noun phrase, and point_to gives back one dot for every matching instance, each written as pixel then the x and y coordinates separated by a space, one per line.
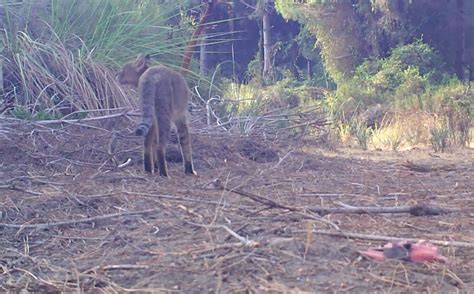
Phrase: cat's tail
pixel 142 129
pixel 146 90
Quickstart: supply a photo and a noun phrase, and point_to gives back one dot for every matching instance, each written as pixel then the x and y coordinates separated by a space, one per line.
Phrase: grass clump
pixel 440 137
pixel 58 57
pixel 47 77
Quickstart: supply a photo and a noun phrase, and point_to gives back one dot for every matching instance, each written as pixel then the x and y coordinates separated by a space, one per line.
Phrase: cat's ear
pixel 142 62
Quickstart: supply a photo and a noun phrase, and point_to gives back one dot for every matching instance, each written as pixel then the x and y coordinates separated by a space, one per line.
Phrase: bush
pixel 398 80
pixel 411 80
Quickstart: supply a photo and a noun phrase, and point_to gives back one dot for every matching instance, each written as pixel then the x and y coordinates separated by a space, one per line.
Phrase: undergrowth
pixel 58 59
pixel 287 104
pixel 404 100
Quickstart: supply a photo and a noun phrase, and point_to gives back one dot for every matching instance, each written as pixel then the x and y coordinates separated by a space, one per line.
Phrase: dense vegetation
pixel 388 73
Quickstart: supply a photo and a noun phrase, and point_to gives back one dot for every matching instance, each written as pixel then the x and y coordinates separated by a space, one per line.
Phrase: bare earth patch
pixel 70 219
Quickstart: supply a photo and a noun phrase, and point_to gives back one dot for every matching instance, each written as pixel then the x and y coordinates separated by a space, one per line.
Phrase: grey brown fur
pixel 164 94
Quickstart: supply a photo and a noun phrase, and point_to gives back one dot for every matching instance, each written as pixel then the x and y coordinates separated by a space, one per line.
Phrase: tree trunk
pixel 1 75
pixel 459 61
pixel 267 42
pixel 203 60
pixel 309 69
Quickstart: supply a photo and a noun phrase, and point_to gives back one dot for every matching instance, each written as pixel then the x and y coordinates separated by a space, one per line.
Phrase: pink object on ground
pixel 420 251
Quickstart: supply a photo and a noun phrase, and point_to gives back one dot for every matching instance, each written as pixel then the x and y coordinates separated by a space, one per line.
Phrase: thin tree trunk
pixel 267 42
pixel 232 38
pixel 1 75
pixel 459 63
pixel 309 69
pixel 203 60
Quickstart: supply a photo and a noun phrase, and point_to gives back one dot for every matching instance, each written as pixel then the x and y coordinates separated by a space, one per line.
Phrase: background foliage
pixel 375 66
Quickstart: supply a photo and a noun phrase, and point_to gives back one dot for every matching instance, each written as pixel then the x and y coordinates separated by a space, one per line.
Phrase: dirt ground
pixel 72 220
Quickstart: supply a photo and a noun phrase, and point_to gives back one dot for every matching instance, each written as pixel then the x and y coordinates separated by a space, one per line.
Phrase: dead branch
pixel 244 241
pixel 126 163
pixel 260 199
pixel 15 188
pixel 79 221
pixel 68 121
pixel 6 107
pixel 426 168
pixel 388 238
pixel 173 198
pixel 415 210
pixel 272 204
pixel 115 267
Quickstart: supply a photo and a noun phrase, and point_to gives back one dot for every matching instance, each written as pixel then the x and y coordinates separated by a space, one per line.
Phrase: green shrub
pixel 399 80
pixel 411 80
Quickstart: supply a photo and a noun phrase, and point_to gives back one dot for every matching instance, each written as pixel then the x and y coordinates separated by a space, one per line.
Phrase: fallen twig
pixel 125 164
pixel 244 241
pixel 6 107
pixel 260 199
pixel 78 221
pixel 116 267
pixel 69 121
pixel 172 198
pixel 15 188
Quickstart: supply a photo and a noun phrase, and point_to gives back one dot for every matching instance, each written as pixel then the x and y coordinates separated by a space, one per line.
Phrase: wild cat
pixel 164 94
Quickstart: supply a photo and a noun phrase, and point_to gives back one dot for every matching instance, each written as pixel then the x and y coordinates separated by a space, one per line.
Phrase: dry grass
pixel 127 231
pixel 407 130
pixel 48 78
pixel 404 131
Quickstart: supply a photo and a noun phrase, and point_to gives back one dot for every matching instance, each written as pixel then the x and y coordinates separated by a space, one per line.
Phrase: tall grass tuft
pixel 113 31
pixel 48 77
pixel 59 56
